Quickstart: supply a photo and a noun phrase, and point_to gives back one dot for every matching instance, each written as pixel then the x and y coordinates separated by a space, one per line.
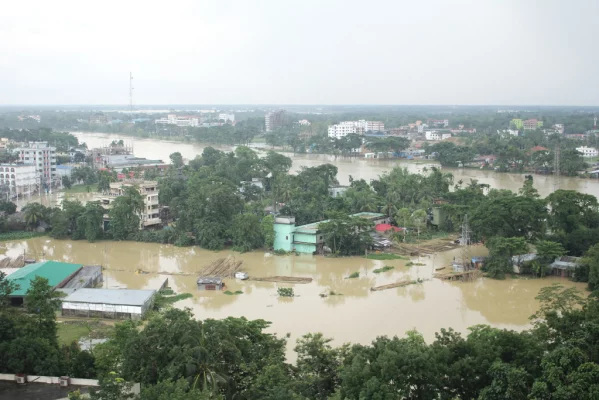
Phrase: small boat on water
pixel 439 268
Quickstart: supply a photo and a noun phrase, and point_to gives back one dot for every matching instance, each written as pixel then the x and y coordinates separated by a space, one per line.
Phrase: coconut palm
pixel 33 214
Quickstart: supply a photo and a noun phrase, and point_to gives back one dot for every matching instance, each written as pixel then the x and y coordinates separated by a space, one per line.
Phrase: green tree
pixel 345 234
pixel 125 213
pixel 66 182
pixel 591 261
pixel 268 230
pixel 33 214
pixel 176 159
pixel 42 302
pixel 317 367
pixel 246 232
pixel 89 223
pixel 112 387
pixel 8 207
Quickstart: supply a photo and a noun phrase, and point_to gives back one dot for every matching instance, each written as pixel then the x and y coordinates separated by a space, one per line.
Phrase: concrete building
pixel 149 191
pixel 337 191
pixel 210 283
pixel 440 123
pixel 43 157
pixel 516 123
pixel 274 120
pixel 342 129
pixel 559 128
pixel 108 303
pixel 226 117
pixel 372 126
pixel 179 120
pixel 64 170
pixel 587 151
pixel 432 135
pixel 304 122
pixel 307 239
pixel 120 161
pixel 19 179
pixel 532 124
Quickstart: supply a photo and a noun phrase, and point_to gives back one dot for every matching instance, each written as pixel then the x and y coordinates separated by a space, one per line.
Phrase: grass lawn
pixel 67 333
pixel 80 189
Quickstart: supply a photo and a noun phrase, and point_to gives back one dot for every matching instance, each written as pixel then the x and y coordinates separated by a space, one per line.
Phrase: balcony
pixel 152 221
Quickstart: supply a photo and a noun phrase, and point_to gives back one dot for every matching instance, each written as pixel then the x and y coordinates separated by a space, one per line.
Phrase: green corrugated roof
pixel 54 271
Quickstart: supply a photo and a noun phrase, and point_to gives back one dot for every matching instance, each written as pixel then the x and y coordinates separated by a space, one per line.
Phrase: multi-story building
pixel 432 135
pixel 531 124
pixel 345 128
pixel 559 128
pixel 18 179
pixel 516 123
pixel 304 122
pixel 226 117
pixel 43 157
pixel 587 151
pixel 438 122
pixel 342 129
pixel 274 120
pixel 179 120
pixel 149 191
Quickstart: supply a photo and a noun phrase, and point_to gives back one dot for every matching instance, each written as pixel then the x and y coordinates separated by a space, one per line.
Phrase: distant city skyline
pixel 310 52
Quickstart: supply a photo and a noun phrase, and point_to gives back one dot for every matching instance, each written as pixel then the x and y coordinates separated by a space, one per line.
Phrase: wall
pixel 101 307
pixel 283 237
pixel 52 380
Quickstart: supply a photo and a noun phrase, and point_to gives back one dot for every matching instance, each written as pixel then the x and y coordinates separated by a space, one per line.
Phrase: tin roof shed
pixel 57 273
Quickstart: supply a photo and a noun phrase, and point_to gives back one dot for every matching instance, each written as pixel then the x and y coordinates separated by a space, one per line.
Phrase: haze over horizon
pixel 503 52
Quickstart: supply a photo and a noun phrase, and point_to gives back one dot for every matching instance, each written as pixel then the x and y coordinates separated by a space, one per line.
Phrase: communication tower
pixel 556 167
pixel 130 92
pixel 465 242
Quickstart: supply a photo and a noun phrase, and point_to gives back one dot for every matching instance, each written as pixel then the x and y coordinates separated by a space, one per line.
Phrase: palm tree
pixel 33 214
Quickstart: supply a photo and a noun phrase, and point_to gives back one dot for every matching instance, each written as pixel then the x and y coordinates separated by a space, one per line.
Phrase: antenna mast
pixel 130 92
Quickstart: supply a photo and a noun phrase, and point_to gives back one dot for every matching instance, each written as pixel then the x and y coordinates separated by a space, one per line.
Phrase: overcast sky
pixel 541 52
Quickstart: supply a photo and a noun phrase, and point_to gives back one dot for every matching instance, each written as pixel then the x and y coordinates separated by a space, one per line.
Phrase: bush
pixel 384 269
pixel 285 292
pixel 385 256
pixel 229 293
pixel 354 275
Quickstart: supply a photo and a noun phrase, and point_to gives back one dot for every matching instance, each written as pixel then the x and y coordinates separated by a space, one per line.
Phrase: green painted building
pixel 57 273
pixel 307 239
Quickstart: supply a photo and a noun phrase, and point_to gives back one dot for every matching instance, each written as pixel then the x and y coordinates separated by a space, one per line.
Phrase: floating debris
pixel 285 279
pixel 396 284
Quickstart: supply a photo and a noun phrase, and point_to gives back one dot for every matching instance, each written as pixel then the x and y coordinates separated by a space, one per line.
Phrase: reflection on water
pixel 356 315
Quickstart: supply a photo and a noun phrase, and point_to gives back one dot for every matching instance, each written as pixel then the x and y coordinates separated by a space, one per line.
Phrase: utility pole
pixel 130 92
pixel 466 243
pixel 556 166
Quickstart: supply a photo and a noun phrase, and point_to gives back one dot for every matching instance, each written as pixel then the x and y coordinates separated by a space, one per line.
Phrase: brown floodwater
pixel 358 168
pixel 357 315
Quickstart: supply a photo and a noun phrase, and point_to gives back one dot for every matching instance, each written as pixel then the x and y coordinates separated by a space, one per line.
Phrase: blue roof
pixel 64 167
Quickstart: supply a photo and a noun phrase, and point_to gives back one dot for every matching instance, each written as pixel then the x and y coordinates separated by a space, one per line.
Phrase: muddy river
pixel 356 315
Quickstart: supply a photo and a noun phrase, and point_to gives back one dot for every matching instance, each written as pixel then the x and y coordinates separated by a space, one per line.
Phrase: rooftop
pixel 123 297
pixel 207 280
pixel 56 272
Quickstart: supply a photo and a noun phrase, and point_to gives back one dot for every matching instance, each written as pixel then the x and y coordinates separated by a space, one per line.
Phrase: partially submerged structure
pixel 564 266
pixel 307 239
pixel 108 303
pixel 210 283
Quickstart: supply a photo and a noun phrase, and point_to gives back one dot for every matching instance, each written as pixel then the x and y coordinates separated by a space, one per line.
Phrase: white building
pixel 445 136
pixel 304 122
pixel 226 117
pixel 506 132
pixel 587 151
pixel 173 119
pixel 108 303
pixel 559 128
pixel 19 179
pixel 432 135
pixel 421 127
pixel 149 191
pixel 43 157
pixel 345 128
pixel 342 129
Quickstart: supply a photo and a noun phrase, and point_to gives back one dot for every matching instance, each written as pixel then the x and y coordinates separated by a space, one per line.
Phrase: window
pixel 286 237
pixel 320 237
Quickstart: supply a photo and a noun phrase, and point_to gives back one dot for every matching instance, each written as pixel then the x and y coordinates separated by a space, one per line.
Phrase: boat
pixel 241 275
pixel 439 268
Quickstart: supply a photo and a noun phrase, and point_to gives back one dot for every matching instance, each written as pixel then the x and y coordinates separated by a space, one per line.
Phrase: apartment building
pixel 531 124
pixel 19 179
pixel 274 120
pixel 43 157
pixel 345 128
pixel 226 117
pixel 587 151
pixel 149 191
pixel 438 123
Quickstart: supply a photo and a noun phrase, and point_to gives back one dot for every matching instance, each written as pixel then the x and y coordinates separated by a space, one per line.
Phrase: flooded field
pixel 356 315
